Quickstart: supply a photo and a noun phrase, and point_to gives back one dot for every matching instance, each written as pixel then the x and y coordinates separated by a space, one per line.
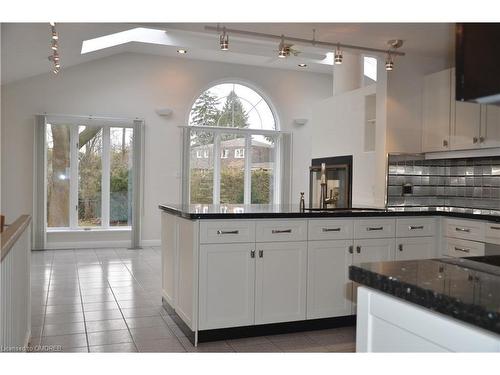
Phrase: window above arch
pixel 232 105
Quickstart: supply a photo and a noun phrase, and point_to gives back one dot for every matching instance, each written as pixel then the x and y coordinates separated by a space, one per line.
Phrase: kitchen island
pixel 436 305
pixel 233 271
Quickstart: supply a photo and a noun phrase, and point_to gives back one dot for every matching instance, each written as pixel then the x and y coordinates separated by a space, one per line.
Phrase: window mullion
pixel 105 177
pixel 216 178
pixel 73 182
pixel 247 176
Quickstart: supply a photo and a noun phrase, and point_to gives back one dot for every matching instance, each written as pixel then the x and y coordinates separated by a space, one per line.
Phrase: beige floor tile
pixel 109 337
pixel 166 345
pixel 127 347
pixel 105 325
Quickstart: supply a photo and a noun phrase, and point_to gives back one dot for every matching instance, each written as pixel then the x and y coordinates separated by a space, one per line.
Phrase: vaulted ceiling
pixel 25 46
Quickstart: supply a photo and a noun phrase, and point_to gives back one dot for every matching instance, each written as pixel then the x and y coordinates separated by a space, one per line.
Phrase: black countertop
pixel 467 289
pixel 255 211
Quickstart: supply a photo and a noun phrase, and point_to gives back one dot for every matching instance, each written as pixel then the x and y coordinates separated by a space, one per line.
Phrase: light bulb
pixel 224 40
pixel 338 56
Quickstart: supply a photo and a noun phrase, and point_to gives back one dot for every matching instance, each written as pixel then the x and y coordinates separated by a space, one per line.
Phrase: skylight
pixel 138 34
pixel 370 67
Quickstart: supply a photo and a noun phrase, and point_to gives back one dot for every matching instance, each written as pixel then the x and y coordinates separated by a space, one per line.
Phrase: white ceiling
pixel 25 46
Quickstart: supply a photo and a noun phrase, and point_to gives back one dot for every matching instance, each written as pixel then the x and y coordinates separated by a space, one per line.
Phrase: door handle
pixel 278 231
pixel 474 140
pixel 466 230
pixel 252 254
pixel 415 227
pixel 228 231
pixel 495 228
pixel 358 249
pixel 331 229
pixel 462 249
pixel 400 247
pixel 374 228
pixel 351 249
pixel 261 253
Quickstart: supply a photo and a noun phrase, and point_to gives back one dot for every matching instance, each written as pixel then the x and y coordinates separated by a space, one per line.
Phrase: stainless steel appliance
pixel 330 182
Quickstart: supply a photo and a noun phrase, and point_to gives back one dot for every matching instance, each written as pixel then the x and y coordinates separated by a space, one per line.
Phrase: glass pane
pixel 58 175
pixel 201 167
pixel 232 169
pixel 89 176
pixel 262 169
pixel 120 200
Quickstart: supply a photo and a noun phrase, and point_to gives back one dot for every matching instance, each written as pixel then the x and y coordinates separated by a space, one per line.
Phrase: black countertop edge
pixel 331 214
pixel 441 303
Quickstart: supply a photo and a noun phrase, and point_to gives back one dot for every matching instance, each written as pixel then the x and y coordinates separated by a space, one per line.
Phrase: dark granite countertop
pixel 467 289
pixel 255 211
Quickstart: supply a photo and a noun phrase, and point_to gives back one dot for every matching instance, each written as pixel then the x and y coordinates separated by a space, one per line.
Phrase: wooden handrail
pixel 12 233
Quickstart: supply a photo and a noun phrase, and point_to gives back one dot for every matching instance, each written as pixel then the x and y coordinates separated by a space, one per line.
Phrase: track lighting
pixel 302 65
pixel 338 56
pixel 224 40
pixel 393 44
pixel 182 51
pixel 54 46
pixel 282 50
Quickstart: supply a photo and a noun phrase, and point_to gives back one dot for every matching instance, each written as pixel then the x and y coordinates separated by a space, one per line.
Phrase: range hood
pixel 477 59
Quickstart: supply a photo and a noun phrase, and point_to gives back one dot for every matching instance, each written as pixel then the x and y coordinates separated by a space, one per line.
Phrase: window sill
pixel 91 230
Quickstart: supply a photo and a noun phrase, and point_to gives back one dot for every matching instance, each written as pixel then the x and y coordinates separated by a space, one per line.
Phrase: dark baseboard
pixel 258 330
pixel 275 328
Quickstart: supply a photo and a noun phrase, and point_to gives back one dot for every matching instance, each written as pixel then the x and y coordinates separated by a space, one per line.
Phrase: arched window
pixel 233 147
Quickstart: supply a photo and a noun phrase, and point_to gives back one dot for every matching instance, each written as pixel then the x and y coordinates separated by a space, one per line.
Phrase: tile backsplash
pixel 473 183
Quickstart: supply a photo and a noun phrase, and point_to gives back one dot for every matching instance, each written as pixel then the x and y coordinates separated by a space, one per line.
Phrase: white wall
pixel 134 85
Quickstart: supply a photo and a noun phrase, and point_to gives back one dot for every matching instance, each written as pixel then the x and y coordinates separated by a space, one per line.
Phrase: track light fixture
pixel 282 49
pixel 224 40
pixel 393 44
pixel 54 46
pixel 338 56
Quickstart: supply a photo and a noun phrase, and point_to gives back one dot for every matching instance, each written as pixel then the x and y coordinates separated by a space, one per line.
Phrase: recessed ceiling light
pixel 182 51
pixel 303 65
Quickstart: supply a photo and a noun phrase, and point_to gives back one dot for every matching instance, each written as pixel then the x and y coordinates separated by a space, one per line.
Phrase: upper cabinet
pixel 454 125
pixel 436 111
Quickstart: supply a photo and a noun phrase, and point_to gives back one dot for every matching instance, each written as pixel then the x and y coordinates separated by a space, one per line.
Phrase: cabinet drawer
pixel 458 248
pixel 465 229
pixel 281 230
pixel 492 233
pixel 227 231
pixel 374 228
pixel 340 229
pixel 415 227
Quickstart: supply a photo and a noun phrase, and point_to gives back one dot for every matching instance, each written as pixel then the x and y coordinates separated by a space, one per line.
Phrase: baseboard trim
pixel 86 245
pixel 177 319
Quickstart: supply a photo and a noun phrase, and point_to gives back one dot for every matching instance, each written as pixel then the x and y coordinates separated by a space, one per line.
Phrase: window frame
pixel 74 176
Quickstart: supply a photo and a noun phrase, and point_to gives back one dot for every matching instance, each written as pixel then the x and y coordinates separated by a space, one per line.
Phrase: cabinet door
pixel 328 286
pixel 169 257
pixel 372 250
pixel 465 122
pixel 227 285
pixel 416 248
pixel 490 126
pixel 436 111
pixel 281 282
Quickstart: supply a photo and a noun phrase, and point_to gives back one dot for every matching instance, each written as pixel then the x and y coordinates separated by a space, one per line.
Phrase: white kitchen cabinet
pixel 328 286
pixel 465 122
pixel 436 111
pixel 169 257
pixel 458 248
pixel 490 126
pixel 227 285
pixel 416 248
pixel 280 282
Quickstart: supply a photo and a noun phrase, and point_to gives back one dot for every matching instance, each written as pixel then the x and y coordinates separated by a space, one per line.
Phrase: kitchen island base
pixel 389 324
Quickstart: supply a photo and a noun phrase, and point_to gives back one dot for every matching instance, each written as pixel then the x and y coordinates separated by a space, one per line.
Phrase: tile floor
pixel 108 300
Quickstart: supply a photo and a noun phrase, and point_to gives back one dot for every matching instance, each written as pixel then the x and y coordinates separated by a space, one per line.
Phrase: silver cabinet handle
pixel 278 231
pixel 252 254
pixel 400 247
pixel 466 230
pixel 445 143
pixel 374 228
pixel 228 232
pixel 358 249
pixel 495 228
pixel 351 249
pixel 462 249
pixel 474 140
pixel 415 227
pixel 331 229
pixel 482 139
pixel 261 253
